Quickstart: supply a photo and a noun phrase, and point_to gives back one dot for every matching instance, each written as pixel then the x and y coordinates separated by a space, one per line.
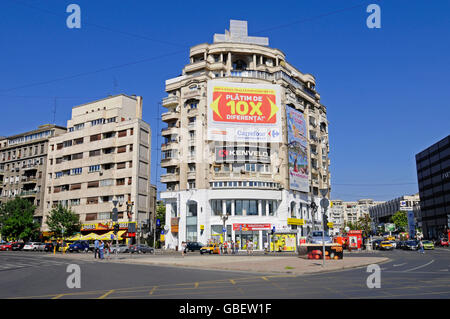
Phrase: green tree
pixel 161 215
pixel 62 218
pixel 400 219
pixel 365 224
pixel 16 219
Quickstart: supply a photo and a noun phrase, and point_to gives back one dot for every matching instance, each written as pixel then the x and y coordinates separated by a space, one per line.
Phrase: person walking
pixel 96 247
pixel 101 249
pixel 266 246
pixel 421 250
pixel 232 247
pixel 236 247
pixel 108 249
pixel 183 248
pixel 247 246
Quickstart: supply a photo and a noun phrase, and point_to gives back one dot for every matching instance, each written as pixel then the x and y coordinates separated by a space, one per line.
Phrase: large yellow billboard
pixel 244 112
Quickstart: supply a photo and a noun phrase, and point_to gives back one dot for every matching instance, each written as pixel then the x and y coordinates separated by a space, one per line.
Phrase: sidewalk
pixel 254 264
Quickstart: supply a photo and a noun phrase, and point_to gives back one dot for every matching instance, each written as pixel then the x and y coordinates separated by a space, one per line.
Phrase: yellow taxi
pixel 210 249
pixel 386 245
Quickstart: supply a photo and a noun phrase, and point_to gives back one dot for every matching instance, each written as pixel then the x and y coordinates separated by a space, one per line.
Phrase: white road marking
pixel 399 265
pixel 420 266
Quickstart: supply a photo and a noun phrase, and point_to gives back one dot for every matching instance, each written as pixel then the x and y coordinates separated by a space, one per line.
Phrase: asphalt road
pixel 408 274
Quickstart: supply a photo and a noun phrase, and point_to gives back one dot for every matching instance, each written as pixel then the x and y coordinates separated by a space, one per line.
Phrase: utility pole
pixel 324 204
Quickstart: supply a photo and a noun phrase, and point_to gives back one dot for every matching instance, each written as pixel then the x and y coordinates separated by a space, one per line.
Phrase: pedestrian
pixel 236 247
pixel 101 249
pixel 225 247
pixel 251 247
pixel 247 246
pixel 96 247
pixel 108 249
pixel 266 245
pixel 421 250
pixel 183 248
pixel 232 247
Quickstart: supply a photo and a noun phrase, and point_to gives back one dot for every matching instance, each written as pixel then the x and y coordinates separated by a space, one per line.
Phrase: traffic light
pixel 325 222
pixel 116 228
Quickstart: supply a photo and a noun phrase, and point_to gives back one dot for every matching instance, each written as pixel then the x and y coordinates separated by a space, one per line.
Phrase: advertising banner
pixel 246 227
pixel 247 154
pixel 297 150
pixel 243 112
pixel 105 226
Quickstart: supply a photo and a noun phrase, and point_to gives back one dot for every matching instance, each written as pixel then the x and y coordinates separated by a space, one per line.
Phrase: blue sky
pixel 386 90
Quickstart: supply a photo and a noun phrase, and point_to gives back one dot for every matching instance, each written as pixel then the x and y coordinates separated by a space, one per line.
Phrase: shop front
pixel 255 233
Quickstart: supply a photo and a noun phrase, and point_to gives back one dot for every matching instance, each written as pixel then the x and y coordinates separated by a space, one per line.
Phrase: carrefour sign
pixel 244 112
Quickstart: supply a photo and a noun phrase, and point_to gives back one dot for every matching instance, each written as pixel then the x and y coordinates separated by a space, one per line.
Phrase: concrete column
pixel 259 207
pixel 229 63
pixel 254 61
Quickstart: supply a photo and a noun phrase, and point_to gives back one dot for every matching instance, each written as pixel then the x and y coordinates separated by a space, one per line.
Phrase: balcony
pixel 28 193
pixel 200 65
pixel 170 101
pixel 169 131
pixel 171 161
pixel 29 180
pixel 169 146
pixel 170 178
pixel 170 116
pixel 191 94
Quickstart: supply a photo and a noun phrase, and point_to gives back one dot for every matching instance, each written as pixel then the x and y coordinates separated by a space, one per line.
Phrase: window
pixel 92 200
pixel 123 133
pixel 191 183
pixel 121 165
pixel 106 182
pixel 93 184
pixel 67 143
pixel 108 135
pixel 78 126
pixel 77 156
pixel 78 141
pixel 103 216
pixel 111 120
pixel 95 137
pixel 75 186
pixel 91 216
pixel 216 207
pixel 120 181
pixel 94 153
pixel 122 149
pixel 97 122
pixel 75 202
pixel 94 168
pixel 77 171
pixel 238 208
pixel 109 150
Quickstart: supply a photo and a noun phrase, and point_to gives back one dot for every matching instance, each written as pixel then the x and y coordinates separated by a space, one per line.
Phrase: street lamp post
pixel 224 219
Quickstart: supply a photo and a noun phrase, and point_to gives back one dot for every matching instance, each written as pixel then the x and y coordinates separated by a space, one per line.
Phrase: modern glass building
pixel 433 174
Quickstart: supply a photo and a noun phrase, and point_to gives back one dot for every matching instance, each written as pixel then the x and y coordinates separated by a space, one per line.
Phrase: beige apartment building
pixel 236 161
pixel 23 165
pixel 344 212
pixel 104 156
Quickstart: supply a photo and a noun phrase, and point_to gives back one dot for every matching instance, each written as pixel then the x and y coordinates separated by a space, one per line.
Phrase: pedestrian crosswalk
pixel 12 264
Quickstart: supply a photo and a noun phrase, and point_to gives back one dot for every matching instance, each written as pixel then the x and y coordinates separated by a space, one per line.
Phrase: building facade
pixel 382 213
pixel 23 165
pixel 246 144
pixel 433 175
pixel 344 212
pixel 104 157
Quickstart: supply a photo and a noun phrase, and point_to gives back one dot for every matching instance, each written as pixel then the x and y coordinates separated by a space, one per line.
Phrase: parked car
pixel 400 244
pixel 33 245
pixel 141 249
pixel 410 245
pixel 17 245
pixel 41 247
pixel 49 247
pixel 193 246
pixel 316 238
pixel 394 243
pixel 79 245
pixel 122 249
pixel 443 242
pixel 6 246
pixel 386 245
pixel 428 244
pixel 210 249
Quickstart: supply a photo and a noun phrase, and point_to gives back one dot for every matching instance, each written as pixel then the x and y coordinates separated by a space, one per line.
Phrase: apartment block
pixel 23 165
pixel 246 141
pixel 344 212
pixel 104 156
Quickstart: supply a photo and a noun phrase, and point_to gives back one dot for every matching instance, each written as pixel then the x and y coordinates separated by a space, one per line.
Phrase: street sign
pixel 115 202
pixel 324 192
pixel 324 203
pixel 224 230
pixel 158 222
pixel 162 232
